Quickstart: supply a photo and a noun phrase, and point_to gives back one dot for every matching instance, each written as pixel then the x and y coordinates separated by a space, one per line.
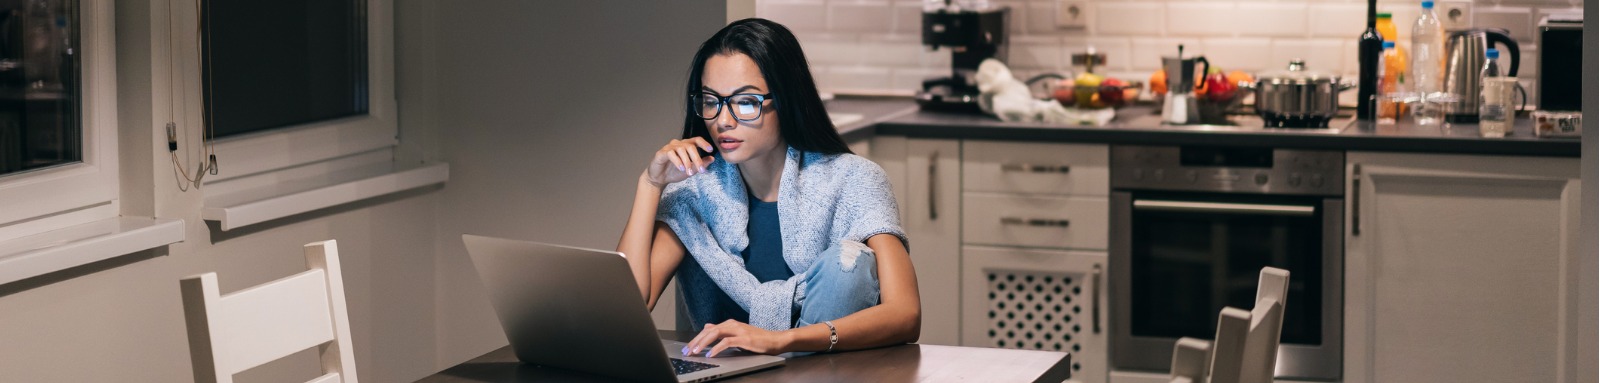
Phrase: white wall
pixel 875 44
pixel 122 320
pixel 547 112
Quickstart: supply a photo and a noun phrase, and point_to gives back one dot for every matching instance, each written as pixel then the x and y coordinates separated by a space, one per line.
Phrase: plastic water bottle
pixel 1492 116
pixel 1427 63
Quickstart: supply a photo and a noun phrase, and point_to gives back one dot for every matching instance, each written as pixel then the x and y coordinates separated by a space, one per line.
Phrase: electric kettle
pixel 1464 59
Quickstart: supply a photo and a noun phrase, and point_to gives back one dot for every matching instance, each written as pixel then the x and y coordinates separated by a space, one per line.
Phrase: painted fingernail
pixel 685 350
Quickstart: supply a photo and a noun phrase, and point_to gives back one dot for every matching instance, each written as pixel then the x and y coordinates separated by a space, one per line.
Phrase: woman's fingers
pixel 706 336
pixel 727 343
pixel 691 159
pixel 672 158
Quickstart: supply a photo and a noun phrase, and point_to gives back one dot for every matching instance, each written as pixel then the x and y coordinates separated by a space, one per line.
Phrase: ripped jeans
pixel 842 281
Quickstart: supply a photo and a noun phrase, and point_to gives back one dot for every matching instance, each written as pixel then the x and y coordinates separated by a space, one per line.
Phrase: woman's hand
pixel 676 161
pixel 733 333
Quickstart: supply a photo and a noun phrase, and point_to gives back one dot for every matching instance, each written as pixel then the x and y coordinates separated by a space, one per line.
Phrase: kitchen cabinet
pixel 1023 204
pixel 926 175
pixel 1037 300
pixel 1461 268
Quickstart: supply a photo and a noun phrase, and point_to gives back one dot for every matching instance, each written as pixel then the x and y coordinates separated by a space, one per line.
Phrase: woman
pixel 832 274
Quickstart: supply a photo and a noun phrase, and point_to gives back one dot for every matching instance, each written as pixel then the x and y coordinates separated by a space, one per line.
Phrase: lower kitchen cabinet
pixel 932 208
pixel 1462 268
pixel 1037 300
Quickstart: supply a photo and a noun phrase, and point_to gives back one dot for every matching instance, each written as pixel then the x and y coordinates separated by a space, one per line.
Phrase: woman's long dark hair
pixel 802 121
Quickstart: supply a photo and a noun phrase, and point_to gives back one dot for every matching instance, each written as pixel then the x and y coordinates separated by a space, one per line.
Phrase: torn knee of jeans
pixel 849 252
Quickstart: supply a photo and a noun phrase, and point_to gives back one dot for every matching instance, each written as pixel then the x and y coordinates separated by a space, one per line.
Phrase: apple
pixel 1111 92
pixel 1085 88
pixel 1218 88
pixel 1063 92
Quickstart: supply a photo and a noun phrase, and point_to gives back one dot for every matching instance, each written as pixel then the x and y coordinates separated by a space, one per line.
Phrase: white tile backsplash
pixel 908 18
pixel 798 16
pixel 1040 17
pixel 1319 54
pixel 1238 53
pixel 1335 20
pixel 863 44
pixel 1516 20
pixel 859 78
pixel 1271 19
pixel 860 17
pixel 1129 18
pixel 1212 18
pixel 1036 52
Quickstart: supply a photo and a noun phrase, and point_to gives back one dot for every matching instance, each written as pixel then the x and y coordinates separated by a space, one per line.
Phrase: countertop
pixel 1140 125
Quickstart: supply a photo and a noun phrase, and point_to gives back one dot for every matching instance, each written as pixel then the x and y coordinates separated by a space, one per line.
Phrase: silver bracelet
pixel 833 335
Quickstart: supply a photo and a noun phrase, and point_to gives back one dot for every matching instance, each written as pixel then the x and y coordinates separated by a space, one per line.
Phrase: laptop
pixel 580 309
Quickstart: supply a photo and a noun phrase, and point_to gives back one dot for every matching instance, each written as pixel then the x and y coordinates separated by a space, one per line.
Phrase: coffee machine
pixel 973 35
pixel 1180 106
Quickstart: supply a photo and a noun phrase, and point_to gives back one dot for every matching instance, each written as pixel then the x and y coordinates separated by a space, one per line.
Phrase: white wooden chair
pixel 1246 345
pixel 250 327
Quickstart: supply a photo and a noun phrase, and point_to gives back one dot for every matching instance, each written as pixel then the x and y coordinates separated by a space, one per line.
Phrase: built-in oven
pixel 1192 227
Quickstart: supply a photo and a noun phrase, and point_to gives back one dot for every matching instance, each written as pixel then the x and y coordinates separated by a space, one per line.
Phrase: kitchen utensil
pixel 1298 97
pixel 1464 57
pixel 1560 80
pixel 1180 107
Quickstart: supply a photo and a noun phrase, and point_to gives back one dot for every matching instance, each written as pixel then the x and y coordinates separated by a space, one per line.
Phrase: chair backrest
pixel 250 327
pixel 1227 350
pixel 1266 326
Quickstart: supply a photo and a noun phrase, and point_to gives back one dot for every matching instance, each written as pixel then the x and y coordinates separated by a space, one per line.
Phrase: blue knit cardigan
pixel 823 199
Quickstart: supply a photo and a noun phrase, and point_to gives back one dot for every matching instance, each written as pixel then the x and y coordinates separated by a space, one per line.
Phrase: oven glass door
pixel 1191 255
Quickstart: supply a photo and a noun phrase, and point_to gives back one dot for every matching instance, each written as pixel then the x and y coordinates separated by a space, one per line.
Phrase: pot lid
pixel 1297 73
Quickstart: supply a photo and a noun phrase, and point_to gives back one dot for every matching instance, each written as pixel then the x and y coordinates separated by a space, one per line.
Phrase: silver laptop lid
pixel 570 308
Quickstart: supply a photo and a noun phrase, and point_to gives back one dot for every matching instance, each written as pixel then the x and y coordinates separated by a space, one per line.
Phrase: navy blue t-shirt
pixel 763 258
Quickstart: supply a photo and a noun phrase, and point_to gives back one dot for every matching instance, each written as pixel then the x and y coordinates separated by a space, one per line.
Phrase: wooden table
pixel 903 363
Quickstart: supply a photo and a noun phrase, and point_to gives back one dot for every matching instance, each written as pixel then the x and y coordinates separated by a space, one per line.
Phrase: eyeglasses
pixel 746 107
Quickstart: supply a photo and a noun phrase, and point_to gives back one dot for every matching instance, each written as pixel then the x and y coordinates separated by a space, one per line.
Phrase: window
pixel 306 63
pixel 39 85
pixel 353 108
pixel 58 115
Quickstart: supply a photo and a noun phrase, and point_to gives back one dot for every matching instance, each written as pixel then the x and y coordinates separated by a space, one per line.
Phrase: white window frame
pixel 305 144
pixel 37 201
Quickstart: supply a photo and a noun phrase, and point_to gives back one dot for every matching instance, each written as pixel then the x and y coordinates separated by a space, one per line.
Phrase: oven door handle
pixel 1222 207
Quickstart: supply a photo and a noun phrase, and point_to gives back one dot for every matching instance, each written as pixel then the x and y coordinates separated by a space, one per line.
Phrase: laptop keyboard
pixel 683 366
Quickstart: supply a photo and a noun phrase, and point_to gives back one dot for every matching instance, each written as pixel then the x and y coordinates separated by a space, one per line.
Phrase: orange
pixel 1158 83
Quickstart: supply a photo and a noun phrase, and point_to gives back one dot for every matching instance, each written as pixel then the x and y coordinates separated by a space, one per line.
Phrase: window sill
pixel 57 250
pixel 235 209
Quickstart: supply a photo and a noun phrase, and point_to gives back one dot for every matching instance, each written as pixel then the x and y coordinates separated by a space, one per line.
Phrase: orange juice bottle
pixel 1386 29
pixel 1393 81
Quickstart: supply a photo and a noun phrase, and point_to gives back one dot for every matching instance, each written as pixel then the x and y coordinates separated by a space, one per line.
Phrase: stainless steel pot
pixel 1297 97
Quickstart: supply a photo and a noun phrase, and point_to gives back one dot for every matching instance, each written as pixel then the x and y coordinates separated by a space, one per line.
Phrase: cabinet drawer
pixel 1035 221
pixel 1015 167
pixel 1037 300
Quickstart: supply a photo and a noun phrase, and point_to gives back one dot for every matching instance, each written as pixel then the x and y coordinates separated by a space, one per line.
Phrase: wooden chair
pixel 1246 345
pixel 250 327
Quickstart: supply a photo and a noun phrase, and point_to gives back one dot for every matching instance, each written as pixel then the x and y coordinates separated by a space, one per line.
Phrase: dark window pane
pixel 270 64
pixel 40 86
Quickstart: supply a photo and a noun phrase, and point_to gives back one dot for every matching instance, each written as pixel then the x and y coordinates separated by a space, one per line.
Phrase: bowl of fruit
pixel 1092 91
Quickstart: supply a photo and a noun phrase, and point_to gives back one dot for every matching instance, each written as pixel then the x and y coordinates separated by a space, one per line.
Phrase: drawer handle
pixel 933 186
pixel 1035 222
pixel 1030 168
pixel 1096 299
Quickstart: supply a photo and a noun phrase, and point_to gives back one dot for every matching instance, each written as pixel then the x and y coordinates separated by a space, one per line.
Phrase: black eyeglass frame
pixel 722 103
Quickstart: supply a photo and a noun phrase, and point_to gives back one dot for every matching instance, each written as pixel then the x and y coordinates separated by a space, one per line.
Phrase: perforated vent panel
pixel 1037 311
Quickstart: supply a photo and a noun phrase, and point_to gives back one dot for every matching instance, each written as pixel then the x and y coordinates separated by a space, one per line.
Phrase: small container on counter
pixel 1557 124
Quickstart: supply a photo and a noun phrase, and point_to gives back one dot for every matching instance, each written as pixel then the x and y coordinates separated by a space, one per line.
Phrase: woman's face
pixel 729 74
